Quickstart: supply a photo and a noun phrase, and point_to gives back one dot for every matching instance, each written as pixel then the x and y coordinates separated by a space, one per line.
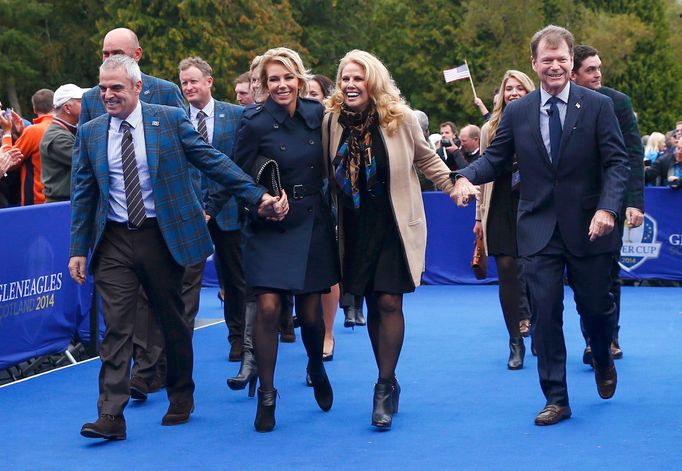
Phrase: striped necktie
pixel 201 125
pixel 131 180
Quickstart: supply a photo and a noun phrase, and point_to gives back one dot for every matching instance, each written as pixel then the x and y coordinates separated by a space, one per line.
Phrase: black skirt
pixel 501 224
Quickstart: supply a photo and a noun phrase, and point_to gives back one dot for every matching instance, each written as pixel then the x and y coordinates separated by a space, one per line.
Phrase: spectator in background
pixel 56 147
pixel 423 120
pixel 470 135
pixel 8 158
pixel 258 93
pixel 667 170
pixel 655 147
pixel 448 147
pixel 320 87
pixel 242 89
pixel 482 108
pixel 29 145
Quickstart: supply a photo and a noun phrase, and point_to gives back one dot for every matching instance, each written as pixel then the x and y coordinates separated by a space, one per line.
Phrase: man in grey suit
pixel 573 173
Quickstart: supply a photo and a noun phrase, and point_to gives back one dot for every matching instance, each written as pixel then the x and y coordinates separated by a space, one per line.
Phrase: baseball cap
pixel 66 93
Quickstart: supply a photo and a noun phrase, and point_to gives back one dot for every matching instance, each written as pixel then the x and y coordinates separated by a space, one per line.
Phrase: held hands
pixel 602 223
pixel 464 192
pixel 77 269
pixel 634 217
pixel 274 208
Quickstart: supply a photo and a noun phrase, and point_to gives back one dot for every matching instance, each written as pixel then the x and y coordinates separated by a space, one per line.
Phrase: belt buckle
pixel 296 190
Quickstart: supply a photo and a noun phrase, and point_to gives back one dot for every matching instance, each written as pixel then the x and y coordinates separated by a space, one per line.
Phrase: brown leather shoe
pixel 138 389
pixel 552 414
pixel 178 413
pixel 108 427
pixel 606 379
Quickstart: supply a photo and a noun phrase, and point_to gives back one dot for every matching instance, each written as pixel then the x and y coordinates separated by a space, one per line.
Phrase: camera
pixel 7 113
pixel 445 143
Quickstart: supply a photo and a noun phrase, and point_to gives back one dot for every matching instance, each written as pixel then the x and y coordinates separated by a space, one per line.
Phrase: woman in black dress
pixel 296 256
pixel 496 219
pixel 374 142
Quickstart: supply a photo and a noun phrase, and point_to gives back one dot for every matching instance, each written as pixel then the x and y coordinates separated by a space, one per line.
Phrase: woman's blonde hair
pixel 655 143
pixel 291 61
pixel 383 93
pixel 500 104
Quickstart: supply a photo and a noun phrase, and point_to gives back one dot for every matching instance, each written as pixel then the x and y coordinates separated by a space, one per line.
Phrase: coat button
pixel 275 126
pixel 311 142
pixel 258 108
pixel 282 147
pixel 311 165
pixel 310 209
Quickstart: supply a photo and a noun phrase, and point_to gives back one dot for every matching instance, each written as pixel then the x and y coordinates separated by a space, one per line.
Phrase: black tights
pixel 386 327
pixel 266 327
pixel 510 297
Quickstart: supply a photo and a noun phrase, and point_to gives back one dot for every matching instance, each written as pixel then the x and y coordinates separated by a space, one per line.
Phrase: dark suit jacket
pixel 225 123
pixel 171 143
pixel 589 174
pixel 658 171
pixel 622 106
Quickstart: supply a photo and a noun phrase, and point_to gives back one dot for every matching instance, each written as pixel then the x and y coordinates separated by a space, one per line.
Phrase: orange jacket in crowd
pixel 29 145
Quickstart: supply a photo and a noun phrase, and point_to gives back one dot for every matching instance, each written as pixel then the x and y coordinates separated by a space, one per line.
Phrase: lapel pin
pixel 577 105
pixel 147 92
pixel 155 123
pixel 221 115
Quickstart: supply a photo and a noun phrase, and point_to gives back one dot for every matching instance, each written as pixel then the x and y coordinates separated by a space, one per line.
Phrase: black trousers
pixel 149 354
pixel 590 279
pixel 228 255
pixel 124 261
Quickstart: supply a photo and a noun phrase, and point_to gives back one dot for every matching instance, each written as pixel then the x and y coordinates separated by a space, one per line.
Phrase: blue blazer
pixel 590 172
pixel 225 123
pixel 171 143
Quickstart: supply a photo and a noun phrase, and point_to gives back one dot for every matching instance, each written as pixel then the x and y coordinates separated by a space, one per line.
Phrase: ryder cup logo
pixel 639 244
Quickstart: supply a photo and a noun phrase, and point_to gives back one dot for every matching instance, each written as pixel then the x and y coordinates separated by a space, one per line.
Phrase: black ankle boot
pixel 359 317
pixel 265 414
pixel 248 374
pixel 322 388
pixel 382 413
pixel 396 395
pixel 517 350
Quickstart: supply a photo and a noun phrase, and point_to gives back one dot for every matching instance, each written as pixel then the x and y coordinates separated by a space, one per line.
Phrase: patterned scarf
pixel 356 149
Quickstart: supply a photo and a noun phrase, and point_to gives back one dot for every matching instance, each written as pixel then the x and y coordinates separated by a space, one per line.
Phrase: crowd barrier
pixel 42 309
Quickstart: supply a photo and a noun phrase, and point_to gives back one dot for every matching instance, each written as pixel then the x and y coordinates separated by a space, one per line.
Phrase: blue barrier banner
pixel 39 303
pixel 652 251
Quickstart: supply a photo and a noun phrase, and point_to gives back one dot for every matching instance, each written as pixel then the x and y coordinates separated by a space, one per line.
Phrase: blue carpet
pixel 460 408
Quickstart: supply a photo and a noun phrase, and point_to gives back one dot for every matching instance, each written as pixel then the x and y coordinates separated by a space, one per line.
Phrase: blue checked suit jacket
pixel 225 124
pixel 171 143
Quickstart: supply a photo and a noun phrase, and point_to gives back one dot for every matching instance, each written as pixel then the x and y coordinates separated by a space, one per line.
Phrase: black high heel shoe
pixel 349 313
pixel 396 395
pixel 248 374
pixel 322 388
pixel 329 356
pixel 517 350
pixel 382 411
pixel 265 414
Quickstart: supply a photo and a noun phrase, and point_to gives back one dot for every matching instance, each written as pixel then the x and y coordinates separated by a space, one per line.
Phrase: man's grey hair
pixel 423 120
pixel 127 63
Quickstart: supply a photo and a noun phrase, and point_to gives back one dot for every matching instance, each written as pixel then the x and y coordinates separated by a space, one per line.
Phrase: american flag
pixel 458 73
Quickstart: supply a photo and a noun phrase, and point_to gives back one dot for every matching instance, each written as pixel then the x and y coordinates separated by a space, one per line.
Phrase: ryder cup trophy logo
pixel 639 244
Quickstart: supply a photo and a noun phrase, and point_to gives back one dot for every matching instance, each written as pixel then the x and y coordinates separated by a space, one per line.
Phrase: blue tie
pixel 554 128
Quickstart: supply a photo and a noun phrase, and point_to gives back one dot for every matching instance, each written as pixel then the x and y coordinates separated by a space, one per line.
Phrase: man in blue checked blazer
pixel 573 171
pixel 134 208
pixel 217 121
pixel 148 372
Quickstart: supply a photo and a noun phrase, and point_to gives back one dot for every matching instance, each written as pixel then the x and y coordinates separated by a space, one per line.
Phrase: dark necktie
pixel 201 125
pixel 131 180
pixel 554 128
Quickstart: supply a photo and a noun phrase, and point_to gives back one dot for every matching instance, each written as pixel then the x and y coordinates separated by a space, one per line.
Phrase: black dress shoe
pixel 322 388
pixel 606 379
pixel 552 414
pixel 517 350
pixel 265 414
pixel 108 427
pixel 178 413
pixel 138 389
pixel 382 405
pixel 587 355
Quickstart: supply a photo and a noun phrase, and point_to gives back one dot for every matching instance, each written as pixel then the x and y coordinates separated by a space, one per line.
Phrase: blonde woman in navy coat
pixel 296 255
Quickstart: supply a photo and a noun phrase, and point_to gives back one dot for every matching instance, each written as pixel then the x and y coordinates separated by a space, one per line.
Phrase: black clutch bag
pixel 265 172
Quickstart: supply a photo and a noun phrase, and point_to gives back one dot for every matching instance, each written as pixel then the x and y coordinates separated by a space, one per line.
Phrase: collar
pixel 41 118
pixel 562 95
pixel 134 119
pixel 208 109
pixel 304 108
pixel 65 124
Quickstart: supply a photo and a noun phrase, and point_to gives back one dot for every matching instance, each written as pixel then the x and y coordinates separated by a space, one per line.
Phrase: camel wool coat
pixel 405 149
